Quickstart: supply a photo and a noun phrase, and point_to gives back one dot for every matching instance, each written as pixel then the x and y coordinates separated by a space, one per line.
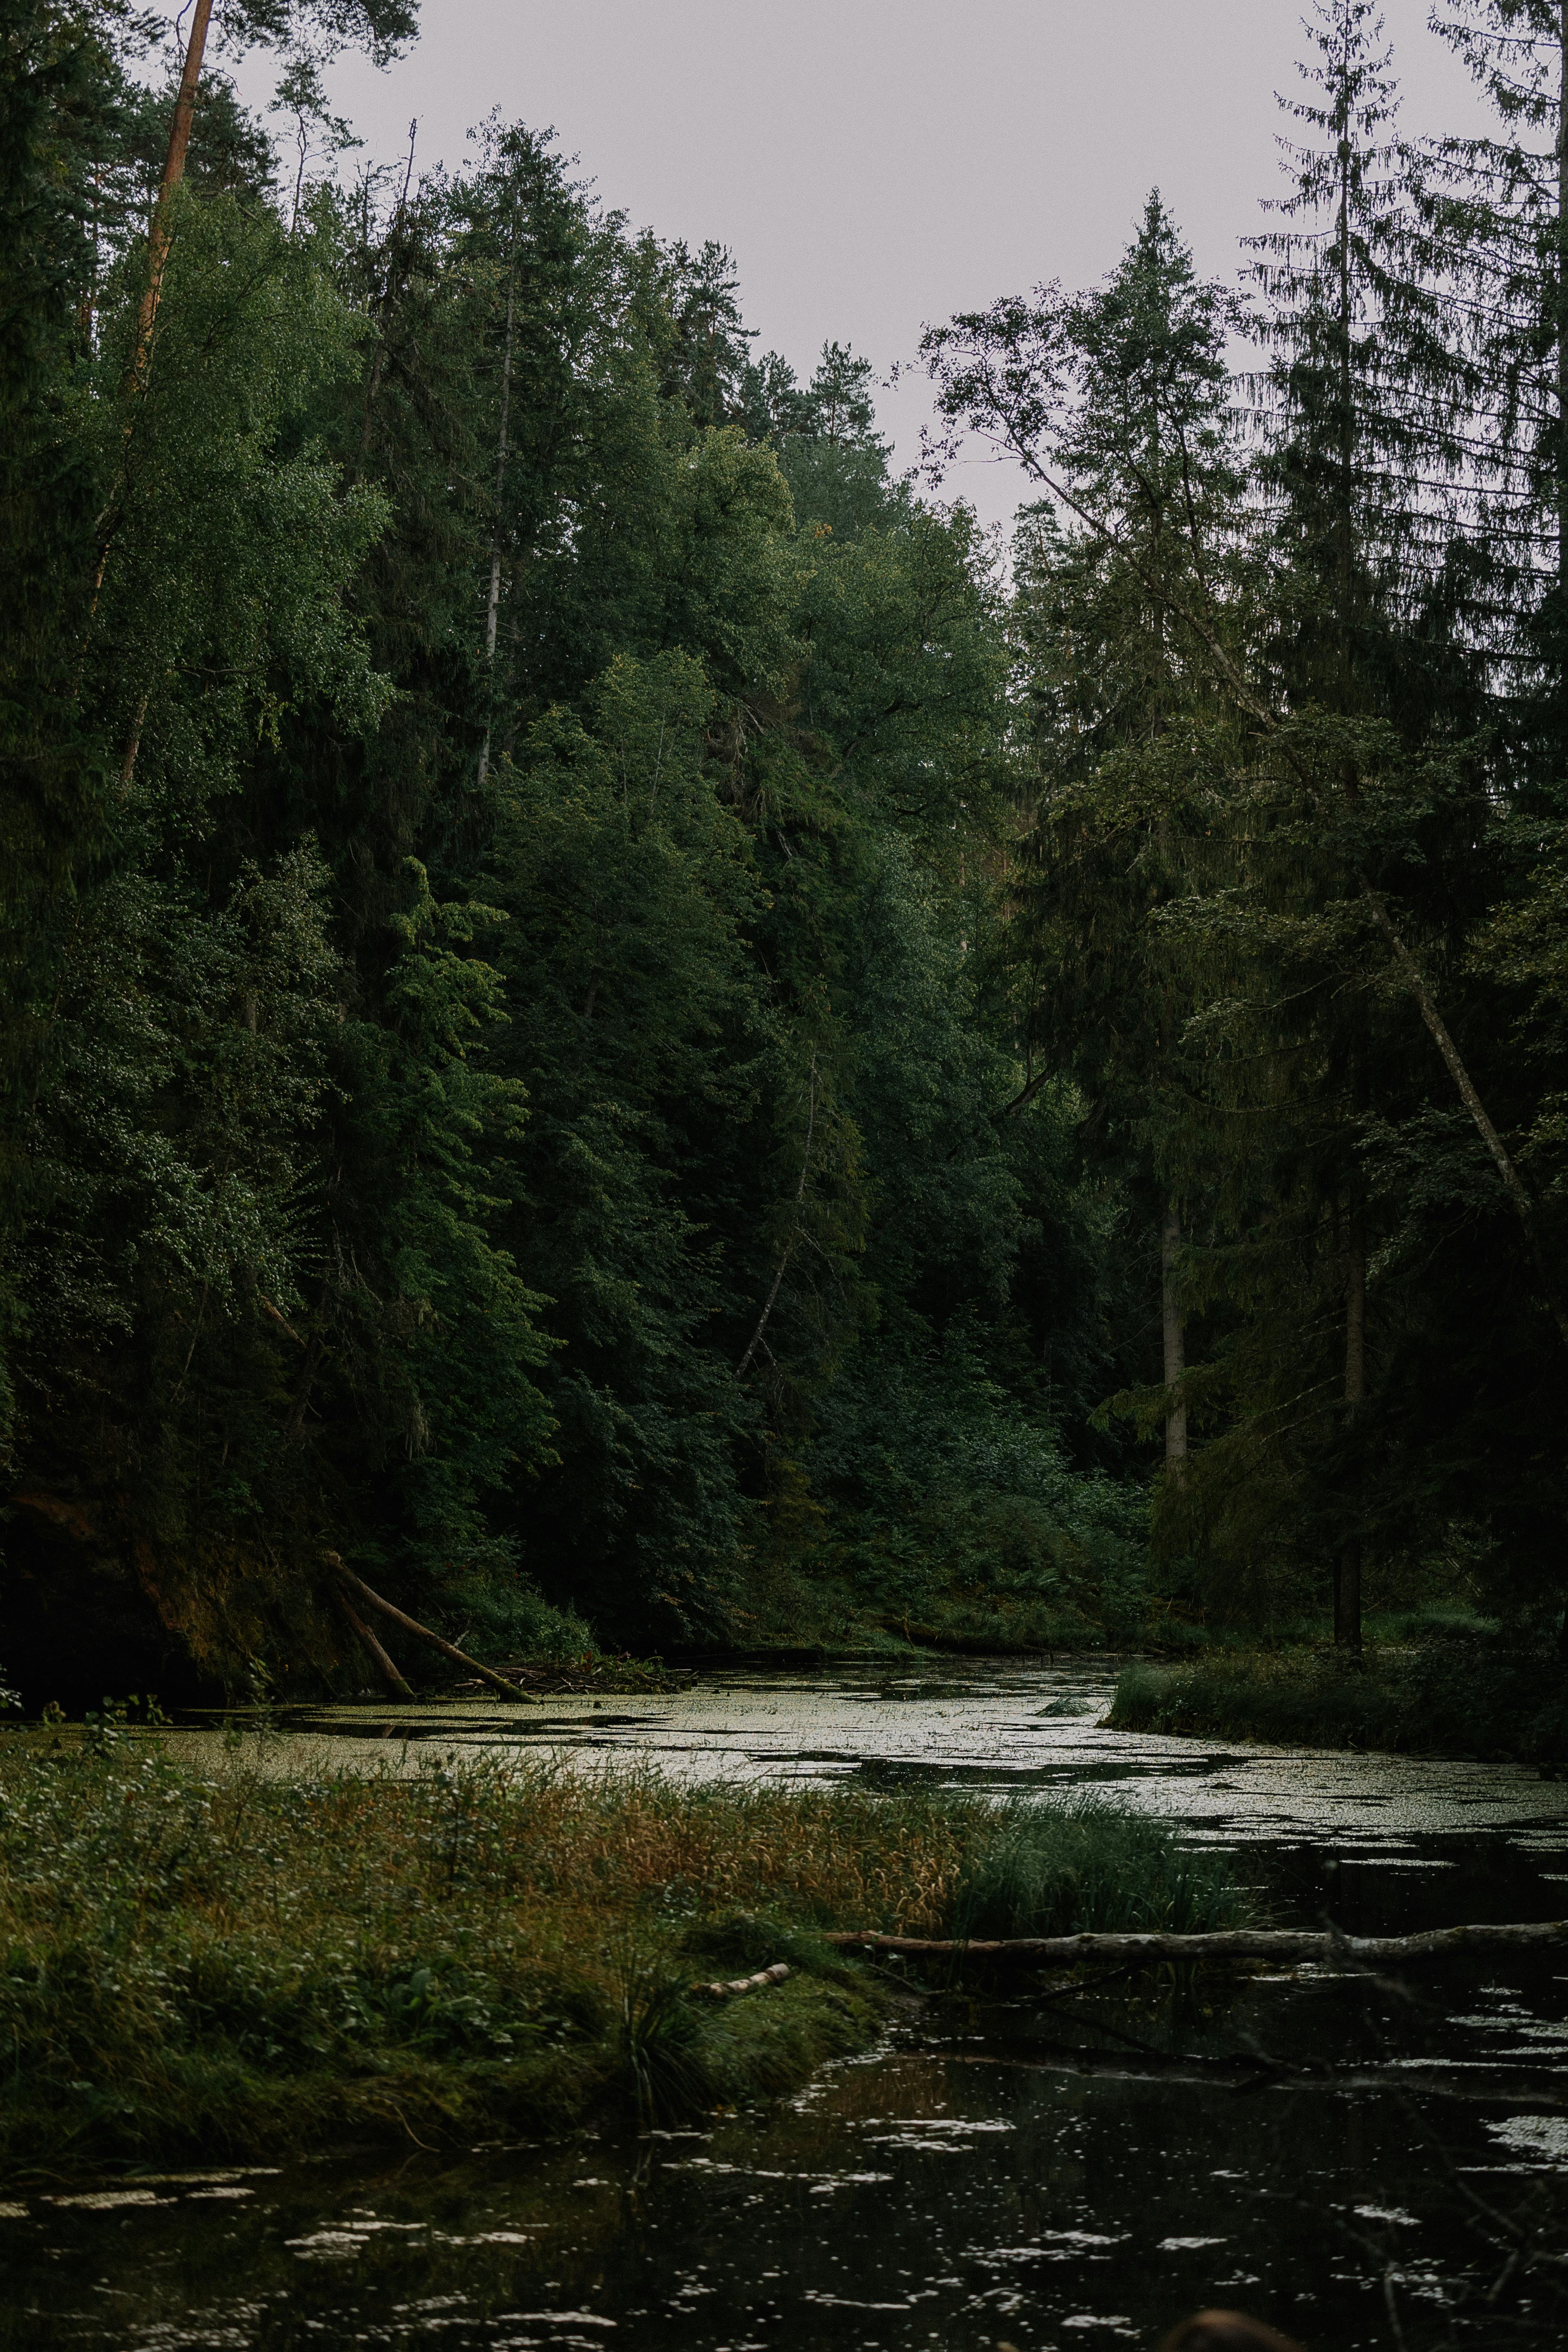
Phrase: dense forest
pixel 615 1018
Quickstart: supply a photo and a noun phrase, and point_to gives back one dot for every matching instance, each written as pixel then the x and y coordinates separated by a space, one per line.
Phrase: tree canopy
pixel 612 1022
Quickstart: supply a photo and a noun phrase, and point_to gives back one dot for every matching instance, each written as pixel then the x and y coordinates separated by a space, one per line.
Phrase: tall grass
pixel 1086 1866
pixel 206 1958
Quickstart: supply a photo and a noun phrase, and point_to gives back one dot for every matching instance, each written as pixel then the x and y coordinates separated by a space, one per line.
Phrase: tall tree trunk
pixel 492 605
pixel 1176 1338
pixel 1344 528
pixel 174 172
pixel 1347 1567
pixel 157 254
pixel 1561 341
pixel 1562 452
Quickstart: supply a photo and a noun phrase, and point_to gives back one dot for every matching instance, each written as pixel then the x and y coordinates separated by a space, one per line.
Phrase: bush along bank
pixel 226 1958
pixel 1461 1698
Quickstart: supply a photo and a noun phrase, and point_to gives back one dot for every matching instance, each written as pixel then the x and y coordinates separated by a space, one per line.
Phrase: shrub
pixel 1452 1695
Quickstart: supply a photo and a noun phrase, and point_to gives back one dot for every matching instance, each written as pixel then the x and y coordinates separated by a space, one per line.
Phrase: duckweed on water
pixel 219 1962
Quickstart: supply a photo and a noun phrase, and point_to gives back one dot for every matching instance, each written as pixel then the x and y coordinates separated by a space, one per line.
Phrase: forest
pixel 618 1019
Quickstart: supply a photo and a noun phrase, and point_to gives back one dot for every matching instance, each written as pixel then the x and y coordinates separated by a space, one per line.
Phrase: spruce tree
pixel 1495 213
pixel 1155 454
pixel 1343 436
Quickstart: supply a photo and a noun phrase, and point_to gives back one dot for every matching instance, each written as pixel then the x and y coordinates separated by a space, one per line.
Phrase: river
pixel 1362 2160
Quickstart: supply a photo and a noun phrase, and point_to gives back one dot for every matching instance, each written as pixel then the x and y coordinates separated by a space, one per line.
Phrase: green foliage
pixel 499 1025
pixel 1455 1692
pixel 956 1516
pixel 1283 901
pixel 602 1018
pixel 225 1961
pixel 1086 1868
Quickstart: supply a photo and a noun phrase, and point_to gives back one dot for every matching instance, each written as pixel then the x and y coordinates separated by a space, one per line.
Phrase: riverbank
pixel 1464 1698
pixel 215 1962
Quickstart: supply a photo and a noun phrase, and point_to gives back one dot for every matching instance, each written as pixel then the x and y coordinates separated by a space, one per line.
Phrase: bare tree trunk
pixel 1562 311
pixel 1176 1338
pixel 412 1625
pixel 1347 1567
pixel 384 1666
pixel 157 254
pixel 1328 1944
pixel 1513 1183
pixel 756 1341
pixel 492 607
pixel 174 172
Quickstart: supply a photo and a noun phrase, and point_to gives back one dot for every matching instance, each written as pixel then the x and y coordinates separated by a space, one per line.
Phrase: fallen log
pixel 1222 1943
pixel 377 1653
pixel 412 1625
pixel 775 1975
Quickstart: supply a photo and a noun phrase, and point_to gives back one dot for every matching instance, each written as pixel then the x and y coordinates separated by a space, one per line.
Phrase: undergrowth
pixel 216 1957
pixel 1462 1697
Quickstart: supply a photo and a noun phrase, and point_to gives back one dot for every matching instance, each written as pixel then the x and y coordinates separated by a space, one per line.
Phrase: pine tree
pixel 1153 456
pixel 1496 215
pixel 1344 438
pixel 1359 438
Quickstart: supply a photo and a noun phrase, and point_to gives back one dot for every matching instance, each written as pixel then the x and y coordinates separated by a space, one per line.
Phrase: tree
pixel 1153 453
pixel 1496 214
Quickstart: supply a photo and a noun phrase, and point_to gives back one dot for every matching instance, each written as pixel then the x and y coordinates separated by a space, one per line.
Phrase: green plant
pixel 1086 1866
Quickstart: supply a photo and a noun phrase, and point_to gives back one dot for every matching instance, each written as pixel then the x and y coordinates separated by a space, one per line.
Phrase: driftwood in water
pixel 412 1625
pixel 1225 1943
pixel 378 1655
pixel 775 1975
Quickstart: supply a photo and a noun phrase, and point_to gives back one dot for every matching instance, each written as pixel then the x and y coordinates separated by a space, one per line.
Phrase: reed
pixel 1088 1867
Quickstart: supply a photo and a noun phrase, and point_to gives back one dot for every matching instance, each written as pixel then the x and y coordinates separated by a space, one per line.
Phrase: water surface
pixel 1347 2157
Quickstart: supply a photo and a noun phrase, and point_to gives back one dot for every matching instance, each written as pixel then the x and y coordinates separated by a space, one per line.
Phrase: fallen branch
pixel 412 1625
pixel 775 1975
pixel 1223 1944
pixel 379 1656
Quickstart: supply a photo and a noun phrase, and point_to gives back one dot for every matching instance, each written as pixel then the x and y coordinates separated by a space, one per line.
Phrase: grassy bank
pixel 1459 1698
pixel 208 1960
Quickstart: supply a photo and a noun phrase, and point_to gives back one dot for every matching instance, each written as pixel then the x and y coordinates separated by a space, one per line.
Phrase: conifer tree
pixel 1155 454
pixel 1358 436
pixel 1495 208
pixel 1344 427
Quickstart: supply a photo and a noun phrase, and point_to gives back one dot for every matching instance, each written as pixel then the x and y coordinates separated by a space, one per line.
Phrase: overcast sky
pixel 877 163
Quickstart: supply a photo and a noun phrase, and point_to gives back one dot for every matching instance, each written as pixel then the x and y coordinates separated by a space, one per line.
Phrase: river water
pixel 1364 2161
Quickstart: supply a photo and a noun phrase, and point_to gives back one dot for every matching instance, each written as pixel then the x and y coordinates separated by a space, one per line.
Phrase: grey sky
pixel 875 164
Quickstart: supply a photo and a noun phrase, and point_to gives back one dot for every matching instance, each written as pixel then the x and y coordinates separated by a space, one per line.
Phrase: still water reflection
pixel 1346 2157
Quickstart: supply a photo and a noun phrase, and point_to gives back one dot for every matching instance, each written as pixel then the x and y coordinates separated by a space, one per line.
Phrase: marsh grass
pixel 216 1960
pixel 1086 1866
pixel 211 1959
pixel 1457 1696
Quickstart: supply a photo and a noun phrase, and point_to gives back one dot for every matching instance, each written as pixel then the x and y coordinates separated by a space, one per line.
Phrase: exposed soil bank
pixel 1460 1698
